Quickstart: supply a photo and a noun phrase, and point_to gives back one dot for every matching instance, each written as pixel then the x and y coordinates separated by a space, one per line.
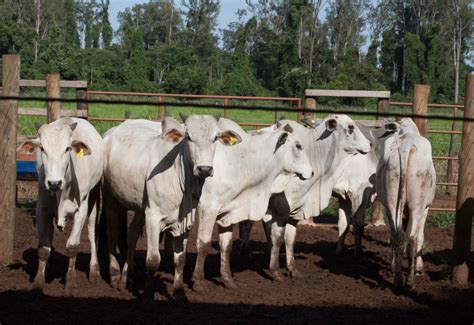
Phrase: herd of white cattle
pixel 210 169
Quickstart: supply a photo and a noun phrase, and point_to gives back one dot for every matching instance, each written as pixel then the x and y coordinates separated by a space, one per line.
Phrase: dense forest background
pixel 277 47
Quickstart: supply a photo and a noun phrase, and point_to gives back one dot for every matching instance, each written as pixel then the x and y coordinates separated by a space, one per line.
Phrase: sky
pixel 226 15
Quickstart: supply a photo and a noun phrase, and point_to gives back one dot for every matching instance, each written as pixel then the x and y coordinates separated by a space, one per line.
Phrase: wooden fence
pixel 9 111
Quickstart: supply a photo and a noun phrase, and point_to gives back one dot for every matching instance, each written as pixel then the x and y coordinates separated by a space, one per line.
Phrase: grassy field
pixel 440 142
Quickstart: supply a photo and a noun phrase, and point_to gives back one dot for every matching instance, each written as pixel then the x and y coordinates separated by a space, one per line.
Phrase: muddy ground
pixel 346 290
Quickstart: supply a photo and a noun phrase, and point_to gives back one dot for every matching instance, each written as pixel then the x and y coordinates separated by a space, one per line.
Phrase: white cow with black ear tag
pixel 70 160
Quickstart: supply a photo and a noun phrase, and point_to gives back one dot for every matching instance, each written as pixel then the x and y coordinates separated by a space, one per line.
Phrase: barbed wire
pixel 234 107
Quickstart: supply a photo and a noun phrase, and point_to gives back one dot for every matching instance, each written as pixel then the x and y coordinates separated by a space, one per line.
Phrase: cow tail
pixel 404 156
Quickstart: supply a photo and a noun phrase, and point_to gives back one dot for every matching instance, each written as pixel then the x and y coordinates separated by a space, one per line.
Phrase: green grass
pixel 442 219
pixel 440 142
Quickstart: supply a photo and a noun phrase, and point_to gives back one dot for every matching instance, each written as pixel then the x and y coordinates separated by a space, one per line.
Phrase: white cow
pixel 327 146
pixel 355 187
pixel 406 185
pixel 70 164
pixel 157 170
pixel 244 178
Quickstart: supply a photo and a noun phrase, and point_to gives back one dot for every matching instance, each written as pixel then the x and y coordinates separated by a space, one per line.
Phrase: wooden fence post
pixel 53 90
pixel 8 133
pixel 451 170
pixel 465 197
pixel 420 107
pixel 310 103
pixel 159 112
pixel 82 107
pixel 226 102
pixel 382 107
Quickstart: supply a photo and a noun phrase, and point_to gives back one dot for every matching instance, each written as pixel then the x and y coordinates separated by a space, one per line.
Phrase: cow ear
pixel 29 146
pixel 392 127
pixel 172 130
pixel 81 149
pixel 281 141
pixel 229 138
pixel 331 125
pixel 73 126
pixel 288 128
pixel 183 117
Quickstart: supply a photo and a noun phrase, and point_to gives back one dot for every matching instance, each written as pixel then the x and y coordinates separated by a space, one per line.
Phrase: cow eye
pixel 351 129
pixel 299 146
pixel 68 149
pixel 188 137
pixel 42 149
pixel 215 139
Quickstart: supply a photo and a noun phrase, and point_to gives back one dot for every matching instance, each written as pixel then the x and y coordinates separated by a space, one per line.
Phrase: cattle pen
pixel 450 250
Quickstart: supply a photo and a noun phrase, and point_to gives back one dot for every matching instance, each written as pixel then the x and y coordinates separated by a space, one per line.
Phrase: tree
pixel 458 27
pixel 72 37
pixel 106 28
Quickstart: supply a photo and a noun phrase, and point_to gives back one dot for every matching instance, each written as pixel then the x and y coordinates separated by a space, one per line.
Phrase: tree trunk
pixel 37 28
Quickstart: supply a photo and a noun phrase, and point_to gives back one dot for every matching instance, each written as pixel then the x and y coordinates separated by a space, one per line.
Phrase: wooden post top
pixel 381 94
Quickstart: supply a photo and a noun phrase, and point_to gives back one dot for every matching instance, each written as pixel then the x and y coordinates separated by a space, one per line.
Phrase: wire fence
pixel 106 109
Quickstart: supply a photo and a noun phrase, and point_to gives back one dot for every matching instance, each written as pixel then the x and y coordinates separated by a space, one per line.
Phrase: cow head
pixel 57 148
pixel 201 134
pixel 401 125
pixel 350 136
pixel 290 150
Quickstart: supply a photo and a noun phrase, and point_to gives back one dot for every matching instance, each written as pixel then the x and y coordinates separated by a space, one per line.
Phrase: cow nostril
pixel 54 185
pixel 312 173
pixel 205 171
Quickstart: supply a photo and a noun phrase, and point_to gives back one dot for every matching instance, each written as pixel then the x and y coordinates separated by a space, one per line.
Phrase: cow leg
pixel 94 271
pixel 343 222
pixel 397 253
pixel 416 224
pixel 290 238
pixel 225 243
pixel 245 228
pixel 72 246
pixel 45 227
pixel 135 229
pixel 179 252
pixel 359 224
pixel 153 258
pixel 115 215
pixel 203 243
pixel 277 237
pixel 396 240
pixel 419 244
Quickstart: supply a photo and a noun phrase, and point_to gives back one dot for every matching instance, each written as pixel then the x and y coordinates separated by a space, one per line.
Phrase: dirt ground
pixel 346 290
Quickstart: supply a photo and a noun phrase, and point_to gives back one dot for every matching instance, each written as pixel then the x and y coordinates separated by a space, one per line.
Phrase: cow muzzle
pixel 305 176
pixel 204 171
pixel 54 185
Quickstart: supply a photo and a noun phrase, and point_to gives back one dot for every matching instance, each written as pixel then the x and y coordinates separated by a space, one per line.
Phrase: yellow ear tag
pixel 232 141
pixel 80 154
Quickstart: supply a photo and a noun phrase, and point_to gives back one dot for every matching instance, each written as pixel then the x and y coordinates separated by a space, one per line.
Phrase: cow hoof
pixel 38 284
pixel 179 297
pixel 229 283
pixel 115 281
pixel 70 289
pixel 122 286
pixel 399 282
pixel 277 276
pixel 200 286
pixel 149 291
pixel 295 274
pixel 94 276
